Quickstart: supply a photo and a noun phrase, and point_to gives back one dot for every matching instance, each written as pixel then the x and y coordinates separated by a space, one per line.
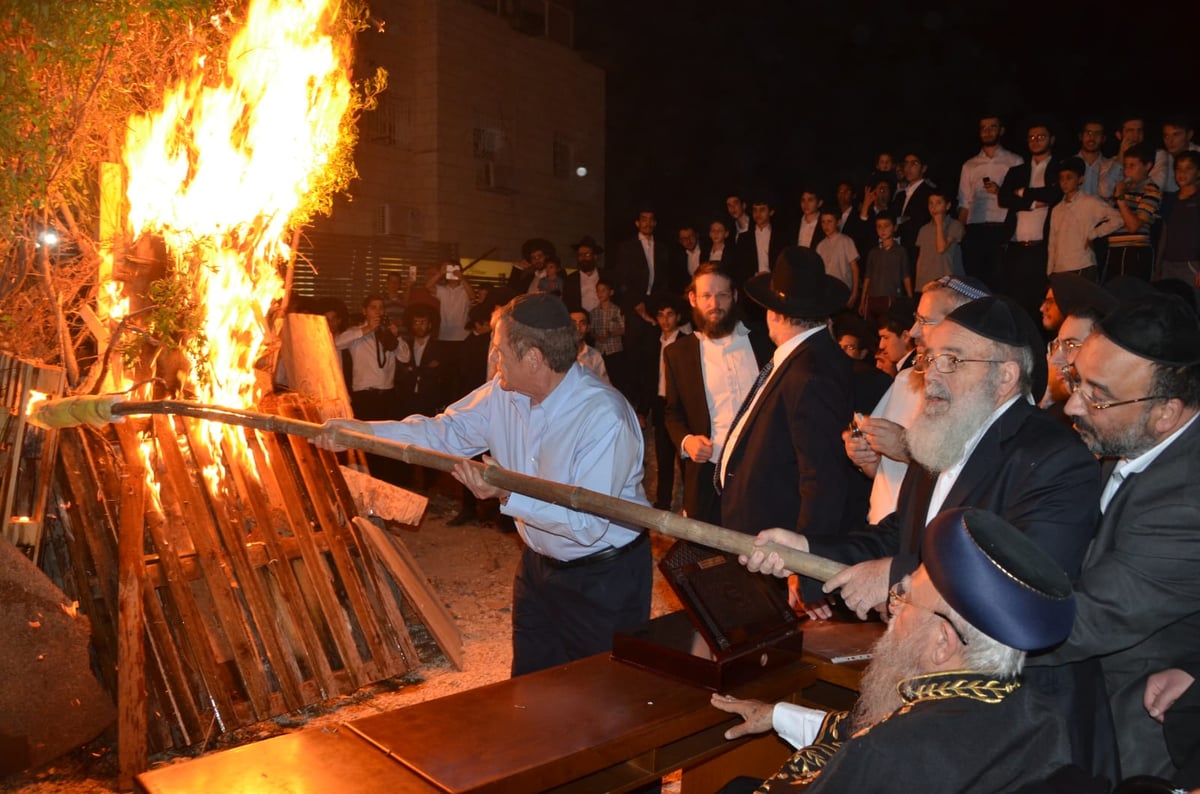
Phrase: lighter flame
pixel 221 169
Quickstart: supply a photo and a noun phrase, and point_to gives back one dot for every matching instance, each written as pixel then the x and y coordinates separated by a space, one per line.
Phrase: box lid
pixel 733 609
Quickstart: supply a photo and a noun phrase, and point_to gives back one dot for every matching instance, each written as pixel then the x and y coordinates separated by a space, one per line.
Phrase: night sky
pixel 704 96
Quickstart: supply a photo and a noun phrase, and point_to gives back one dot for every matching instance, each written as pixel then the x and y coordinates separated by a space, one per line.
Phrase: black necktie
pixel 763 374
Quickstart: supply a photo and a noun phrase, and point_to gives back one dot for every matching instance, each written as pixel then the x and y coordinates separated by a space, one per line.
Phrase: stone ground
pixel 471 567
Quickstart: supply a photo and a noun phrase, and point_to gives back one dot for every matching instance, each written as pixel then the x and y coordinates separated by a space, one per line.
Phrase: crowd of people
pixel 987 413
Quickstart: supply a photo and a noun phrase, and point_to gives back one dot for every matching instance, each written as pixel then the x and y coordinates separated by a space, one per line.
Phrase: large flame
pixel 220 170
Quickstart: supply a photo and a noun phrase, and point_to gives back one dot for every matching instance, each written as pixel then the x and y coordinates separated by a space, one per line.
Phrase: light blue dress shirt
pixel 583 434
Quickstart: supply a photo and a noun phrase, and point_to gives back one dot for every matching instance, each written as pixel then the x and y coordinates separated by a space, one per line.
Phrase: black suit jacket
pixel 863 233
pixel 421 388
pixel 818 234
pixel 1018 178
pixel 633 274
pixel 687 415
pixel 1138 599
pixel 1027 468
pixel 747 253
pixel 788 467
pixel 572 292
pixel 916 216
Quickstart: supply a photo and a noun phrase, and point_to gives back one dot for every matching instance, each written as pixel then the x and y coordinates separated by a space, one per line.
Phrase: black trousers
pixel 565 613
pixel 981 247
pixel 665 454
pixel 1023 276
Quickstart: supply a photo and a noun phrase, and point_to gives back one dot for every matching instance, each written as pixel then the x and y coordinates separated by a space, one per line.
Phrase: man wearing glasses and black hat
pixel 1136 394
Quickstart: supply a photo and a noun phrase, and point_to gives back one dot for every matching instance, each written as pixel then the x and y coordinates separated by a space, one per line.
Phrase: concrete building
pixel 491 130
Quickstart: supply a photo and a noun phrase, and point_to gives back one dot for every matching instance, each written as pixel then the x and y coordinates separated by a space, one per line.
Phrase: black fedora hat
pixel 590 242
pixel 537 244
pixel 798 286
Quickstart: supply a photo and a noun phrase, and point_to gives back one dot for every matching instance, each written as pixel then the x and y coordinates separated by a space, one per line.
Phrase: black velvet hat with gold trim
pixel 999 580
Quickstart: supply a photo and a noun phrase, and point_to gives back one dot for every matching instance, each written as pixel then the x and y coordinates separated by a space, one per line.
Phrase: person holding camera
pixel 455 296
pixel 374 348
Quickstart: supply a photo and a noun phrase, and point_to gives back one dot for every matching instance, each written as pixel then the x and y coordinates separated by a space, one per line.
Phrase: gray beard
pixel 895 659
pixel 939 441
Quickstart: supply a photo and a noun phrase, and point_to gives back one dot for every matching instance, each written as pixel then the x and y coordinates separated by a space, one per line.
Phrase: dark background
pixel 706 97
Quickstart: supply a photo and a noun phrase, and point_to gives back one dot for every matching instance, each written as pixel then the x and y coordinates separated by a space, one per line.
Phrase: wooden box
pixel 735 624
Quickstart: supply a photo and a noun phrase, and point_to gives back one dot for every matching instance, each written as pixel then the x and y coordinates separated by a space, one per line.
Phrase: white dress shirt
pixel 982 206
pixel 728 369
pixel 762 242
pixel 1126 467
pixel 1031 224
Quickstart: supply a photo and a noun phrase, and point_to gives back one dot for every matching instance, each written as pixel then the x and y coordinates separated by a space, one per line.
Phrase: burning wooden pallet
pixel 258 600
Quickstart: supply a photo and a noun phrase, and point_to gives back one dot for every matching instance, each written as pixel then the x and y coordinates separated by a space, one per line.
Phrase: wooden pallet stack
pixel 255 602
pixel 26 452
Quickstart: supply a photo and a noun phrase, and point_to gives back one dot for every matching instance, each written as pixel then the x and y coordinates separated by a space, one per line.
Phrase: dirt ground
pixel 470 566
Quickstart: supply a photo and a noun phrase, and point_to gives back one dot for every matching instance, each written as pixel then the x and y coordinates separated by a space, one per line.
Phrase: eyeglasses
pixel 924 322
pixel 1090 401
pixel 849 347
pixel 1068 346
pixel 900 595
pixel 947 363
pixel 1039 137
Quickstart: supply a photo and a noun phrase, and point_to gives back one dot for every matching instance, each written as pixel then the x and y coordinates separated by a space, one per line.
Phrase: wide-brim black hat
pixel 537 244
pixel 1001 319
pixel 590 242
pixel 799 287
pixel 1160 328
pixel 999 580
pixel 1073 293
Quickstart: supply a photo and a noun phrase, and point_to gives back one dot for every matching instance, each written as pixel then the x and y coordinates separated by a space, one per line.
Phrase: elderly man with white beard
pixel 980 442
pixel 943 707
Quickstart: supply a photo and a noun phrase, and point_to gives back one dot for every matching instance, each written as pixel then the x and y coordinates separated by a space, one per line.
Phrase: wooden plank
pixel 312 365
pixel 314 472
pixel 276 579
pixel 281 571
pixel 421 595
pixel 232 522
pixel 132 740
pixel 387 601
pixel 215 562
pixel 320 596
pixel 190 617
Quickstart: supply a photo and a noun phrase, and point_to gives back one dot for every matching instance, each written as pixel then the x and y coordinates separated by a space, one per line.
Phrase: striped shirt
pixel 1143 201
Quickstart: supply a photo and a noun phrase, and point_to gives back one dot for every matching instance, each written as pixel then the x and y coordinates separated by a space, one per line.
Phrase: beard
pixel 938 437
pixel 896 658
pixel 714 327
pixel 1129 441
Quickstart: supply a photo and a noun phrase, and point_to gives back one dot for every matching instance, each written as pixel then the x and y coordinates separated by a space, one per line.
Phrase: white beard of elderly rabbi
pixel 957 404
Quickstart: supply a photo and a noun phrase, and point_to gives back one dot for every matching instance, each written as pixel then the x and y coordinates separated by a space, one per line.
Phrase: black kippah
pixel 541 310
pixel 1000 319
pixel 1160 328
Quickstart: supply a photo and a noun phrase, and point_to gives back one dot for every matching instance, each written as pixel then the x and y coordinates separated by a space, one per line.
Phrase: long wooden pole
pixel 571 496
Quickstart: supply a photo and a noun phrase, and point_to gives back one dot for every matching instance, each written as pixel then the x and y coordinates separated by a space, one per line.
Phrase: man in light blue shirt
pixel 581 576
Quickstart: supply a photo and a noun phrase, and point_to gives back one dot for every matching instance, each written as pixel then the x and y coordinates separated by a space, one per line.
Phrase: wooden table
pixel 592 725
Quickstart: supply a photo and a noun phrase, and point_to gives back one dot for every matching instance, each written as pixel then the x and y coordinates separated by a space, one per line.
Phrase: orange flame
pixel 221 169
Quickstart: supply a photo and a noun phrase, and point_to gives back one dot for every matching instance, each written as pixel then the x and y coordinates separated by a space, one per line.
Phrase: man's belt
pixel 601 556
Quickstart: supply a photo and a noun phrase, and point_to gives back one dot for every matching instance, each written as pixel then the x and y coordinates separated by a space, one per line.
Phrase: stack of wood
pixel 255 601
pixel 27 452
